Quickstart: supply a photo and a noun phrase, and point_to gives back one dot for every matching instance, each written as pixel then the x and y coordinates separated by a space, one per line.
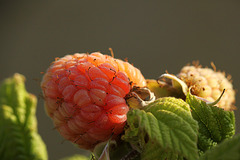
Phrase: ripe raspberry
pixel 84 95
pixel 209 84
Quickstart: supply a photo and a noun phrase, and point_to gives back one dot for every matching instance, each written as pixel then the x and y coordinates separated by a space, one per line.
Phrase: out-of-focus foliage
pixel 76 157
pixel 19 138
pixel 229 149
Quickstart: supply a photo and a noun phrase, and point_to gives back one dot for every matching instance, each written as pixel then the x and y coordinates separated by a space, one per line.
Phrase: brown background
pixel 155 36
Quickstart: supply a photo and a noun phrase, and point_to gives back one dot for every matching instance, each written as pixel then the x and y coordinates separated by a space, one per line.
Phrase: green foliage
pixel 227 150
pixel 165 129
pixel 168 128
pixel 215 124
pixel 76 157
pixel 18 125
pixel 101 151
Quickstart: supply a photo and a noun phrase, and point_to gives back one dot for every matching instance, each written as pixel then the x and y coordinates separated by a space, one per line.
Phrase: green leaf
pixel 105 152
pixel 215 124
pixel 76 157
pixel 18 137
pixel 229 149
pixel 101 151
pixel 153 151
pixel 164 129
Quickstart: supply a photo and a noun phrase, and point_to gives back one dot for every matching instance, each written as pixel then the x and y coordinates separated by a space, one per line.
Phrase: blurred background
pixel 155 36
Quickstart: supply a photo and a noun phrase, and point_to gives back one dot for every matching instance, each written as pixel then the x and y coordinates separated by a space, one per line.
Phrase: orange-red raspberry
pixel 84 95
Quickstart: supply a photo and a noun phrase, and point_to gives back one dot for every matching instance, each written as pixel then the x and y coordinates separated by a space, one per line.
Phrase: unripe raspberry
pixel 84 95
pixel 209 84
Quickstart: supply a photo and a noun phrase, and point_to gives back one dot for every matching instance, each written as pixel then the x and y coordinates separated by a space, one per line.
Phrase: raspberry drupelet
pixel 84 96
